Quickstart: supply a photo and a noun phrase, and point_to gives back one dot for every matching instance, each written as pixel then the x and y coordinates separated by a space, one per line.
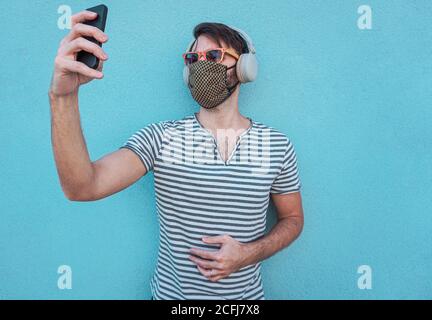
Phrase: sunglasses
pixel 215 55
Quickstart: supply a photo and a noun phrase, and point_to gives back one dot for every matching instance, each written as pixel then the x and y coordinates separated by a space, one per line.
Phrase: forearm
pixel 71 156
pixel 282 235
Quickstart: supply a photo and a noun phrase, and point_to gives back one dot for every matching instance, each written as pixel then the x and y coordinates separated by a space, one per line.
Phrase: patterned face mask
pixel 208 83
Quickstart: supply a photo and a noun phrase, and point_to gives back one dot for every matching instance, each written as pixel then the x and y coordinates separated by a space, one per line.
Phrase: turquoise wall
pixel 356 104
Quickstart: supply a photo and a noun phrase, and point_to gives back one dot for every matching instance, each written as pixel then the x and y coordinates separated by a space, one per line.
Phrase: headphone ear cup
pixel 186 75
pixel 247 68
pixel 186 68
pixel 239 69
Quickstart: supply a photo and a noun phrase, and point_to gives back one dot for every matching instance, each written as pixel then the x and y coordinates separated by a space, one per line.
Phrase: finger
pixel 216 239
pixel 81 29
pixel 83 16
pixel 205 263
pixel 79 44
pixel 100 66
pixel 208 273
pixel 78 67
pixel 210 255
pixel 214 279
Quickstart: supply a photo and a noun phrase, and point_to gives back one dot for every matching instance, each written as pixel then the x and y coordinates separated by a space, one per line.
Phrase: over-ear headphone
pixel 247 64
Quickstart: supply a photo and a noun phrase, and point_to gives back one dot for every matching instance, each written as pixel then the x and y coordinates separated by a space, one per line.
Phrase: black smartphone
pixel 83 56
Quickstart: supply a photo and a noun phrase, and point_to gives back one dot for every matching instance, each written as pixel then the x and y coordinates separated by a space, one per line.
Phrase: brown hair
pixel 220 32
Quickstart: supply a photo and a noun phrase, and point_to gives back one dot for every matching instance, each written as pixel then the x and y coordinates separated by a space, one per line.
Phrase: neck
pixel 224 116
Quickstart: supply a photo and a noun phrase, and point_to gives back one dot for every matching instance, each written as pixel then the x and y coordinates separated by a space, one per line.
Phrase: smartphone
pixel 86 57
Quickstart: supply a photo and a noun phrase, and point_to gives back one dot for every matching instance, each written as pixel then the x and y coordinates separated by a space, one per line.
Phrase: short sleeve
pixel 288 179
pixel 146 143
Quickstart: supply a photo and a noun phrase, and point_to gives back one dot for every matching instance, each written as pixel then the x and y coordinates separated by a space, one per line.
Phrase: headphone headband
pixel 242 34
pixel 246 38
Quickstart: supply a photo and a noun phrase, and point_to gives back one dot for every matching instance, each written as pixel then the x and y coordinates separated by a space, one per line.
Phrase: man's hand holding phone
pixel 78 56
pixel 69 73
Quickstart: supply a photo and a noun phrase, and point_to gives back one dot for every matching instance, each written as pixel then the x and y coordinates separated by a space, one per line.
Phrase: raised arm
pixel 80 178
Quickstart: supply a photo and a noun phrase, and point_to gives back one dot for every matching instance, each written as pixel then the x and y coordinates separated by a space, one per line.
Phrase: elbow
pixel 78 189
pixel 300 225
pixel 297 224
pixel 73 196
pixel 77 194
pixel 300 228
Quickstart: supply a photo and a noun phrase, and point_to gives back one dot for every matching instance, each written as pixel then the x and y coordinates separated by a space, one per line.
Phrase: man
pixel 214 170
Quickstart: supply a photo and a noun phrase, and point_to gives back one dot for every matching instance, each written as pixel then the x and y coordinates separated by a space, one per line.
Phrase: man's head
pixel 216 63
pixel 210 35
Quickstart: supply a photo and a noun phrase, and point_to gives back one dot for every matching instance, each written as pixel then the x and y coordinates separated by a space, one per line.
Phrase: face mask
pixel 208 83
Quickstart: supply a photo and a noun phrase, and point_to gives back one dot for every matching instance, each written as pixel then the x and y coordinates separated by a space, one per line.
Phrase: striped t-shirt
pixel 199 194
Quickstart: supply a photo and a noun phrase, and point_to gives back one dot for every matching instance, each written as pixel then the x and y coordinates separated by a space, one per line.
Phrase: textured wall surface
pixel 356 104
